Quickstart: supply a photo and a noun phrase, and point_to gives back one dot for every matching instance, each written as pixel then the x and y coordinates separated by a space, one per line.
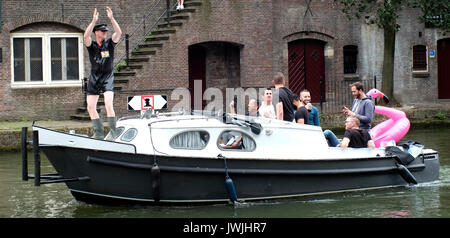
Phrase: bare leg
pixel 92 106
pixel 109 98
pixel 96 121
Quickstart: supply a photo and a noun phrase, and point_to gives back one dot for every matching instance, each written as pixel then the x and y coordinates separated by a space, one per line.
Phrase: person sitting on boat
pixel 266 109
pixel 231 140
pixel 301 115
pixel 252 107
pixel 353 137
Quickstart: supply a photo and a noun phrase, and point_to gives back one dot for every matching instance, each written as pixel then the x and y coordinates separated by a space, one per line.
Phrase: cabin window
pixel 129 135
pixel 190 140
pixel 420 58
pixel 350 59
pixel 236 140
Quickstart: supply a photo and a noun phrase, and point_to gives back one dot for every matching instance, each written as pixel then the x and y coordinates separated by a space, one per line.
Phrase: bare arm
pixel 371 144
pixel 232 111
pixel 234 145
pixel 280 111
pixel 90 27
pixel 344 143
pixel 117 31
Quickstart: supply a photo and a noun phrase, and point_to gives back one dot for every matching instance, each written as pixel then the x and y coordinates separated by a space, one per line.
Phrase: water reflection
pixel 23 199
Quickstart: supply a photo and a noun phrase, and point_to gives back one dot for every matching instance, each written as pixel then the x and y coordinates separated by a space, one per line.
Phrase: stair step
pixel 130 66
pixel 191 4
pixel 124 73
pixel 82 110
pixel 82 117
pixel 121 80
pixel 157 38
pixel 171 24
pixel 136 59
pixel 151 45
pixel 177 17
pixel 163 31
pixel 144 51
pixel 185 10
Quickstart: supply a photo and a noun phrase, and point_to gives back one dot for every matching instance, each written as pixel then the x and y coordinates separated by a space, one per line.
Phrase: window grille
pixel 419 57
pixel 350 59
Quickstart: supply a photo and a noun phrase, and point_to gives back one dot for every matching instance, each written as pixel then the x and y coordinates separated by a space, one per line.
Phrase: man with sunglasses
pixel 101 79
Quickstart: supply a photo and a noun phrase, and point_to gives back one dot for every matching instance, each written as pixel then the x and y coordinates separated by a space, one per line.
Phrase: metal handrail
pixel 127 36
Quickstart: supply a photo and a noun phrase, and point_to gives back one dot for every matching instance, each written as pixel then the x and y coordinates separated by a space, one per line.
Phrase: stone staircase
pixel 139 57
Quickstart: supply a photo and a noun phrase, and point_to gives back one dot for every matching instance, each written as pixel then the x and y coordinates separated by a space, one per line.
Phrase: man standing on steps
pixel 101 79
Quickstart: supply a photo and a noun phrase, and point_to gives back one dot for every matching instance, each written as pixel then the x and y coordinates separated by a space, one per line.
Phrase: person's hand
pixel 308 106
pixel 95 16
pixel 109 13
pixel 346 111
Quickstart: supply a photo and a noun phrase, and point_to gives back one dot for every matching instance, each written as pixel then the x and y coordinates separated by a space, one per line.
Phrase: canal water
pixel 19 199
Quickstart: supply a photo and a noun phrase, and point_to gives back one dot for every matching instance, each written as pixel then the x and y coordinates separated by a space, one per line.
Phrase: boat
pixel 207 157
pixel 393 129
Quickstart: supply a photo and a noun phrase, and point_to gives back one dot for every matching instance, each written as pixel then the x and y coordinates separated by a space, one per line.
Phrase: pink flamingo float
pixel 392 129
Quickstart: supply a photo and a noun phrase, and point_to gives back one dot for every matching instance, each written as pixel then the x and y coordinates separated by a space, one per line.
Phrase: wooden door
pixel 307 68
pixel 443 55
pixel 197 71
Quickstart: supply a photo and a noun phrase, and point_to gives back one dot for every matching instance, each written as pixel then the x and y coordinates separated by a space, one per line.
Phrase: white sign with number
pixel 142 103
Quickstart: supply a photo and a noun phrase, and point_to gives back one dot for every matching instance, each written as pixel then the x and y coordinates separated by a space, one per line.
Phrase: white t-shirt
pixel 267 108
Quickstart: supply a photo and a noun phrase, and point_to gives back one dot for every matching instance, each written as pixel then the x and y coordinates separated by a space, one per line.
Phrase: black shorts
pixel 96 87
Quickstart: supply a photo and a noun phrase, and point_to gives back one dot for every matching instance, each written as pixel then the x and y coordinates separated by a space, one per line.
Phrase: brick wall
pixel 61 16
pixel 261 29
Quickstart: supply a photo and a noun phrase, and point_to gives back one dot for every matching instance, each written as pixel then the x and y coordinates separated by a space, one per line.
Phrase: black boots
pixel 99 131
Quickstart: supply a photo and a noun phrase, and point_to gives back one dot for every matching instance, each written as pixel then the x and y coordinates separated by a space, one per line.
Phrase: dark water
pixel 19 199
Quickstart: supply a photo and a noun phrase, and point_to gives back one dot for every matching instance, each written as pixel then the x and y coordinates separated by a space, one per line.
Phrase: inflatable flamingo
pixel 394 128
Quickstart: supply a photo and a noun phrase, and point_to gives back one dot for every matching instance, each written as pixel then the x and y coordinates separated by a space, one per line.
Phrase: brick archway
pixel 44 18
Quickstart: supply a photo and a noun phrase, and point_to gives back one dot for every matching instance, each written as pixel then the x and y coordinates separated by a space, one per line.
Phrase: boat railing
pixel 37 176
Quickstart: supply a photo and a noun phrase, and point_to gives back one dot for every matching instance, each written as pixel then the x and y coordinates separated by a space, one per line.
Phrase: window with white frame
pixel 46 59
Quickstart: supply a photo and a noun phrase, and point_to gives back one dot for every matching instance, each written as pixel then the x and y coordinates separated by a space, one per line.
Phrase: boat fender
pixel 155 172
pixel 406 174
pixel 400 156
pixel 231 190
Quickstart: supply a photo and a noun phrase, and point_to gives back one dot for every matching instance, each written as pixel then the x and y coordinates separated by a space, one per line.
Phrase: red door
pixel 307 68
pixel 443 55
pixel 197 71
